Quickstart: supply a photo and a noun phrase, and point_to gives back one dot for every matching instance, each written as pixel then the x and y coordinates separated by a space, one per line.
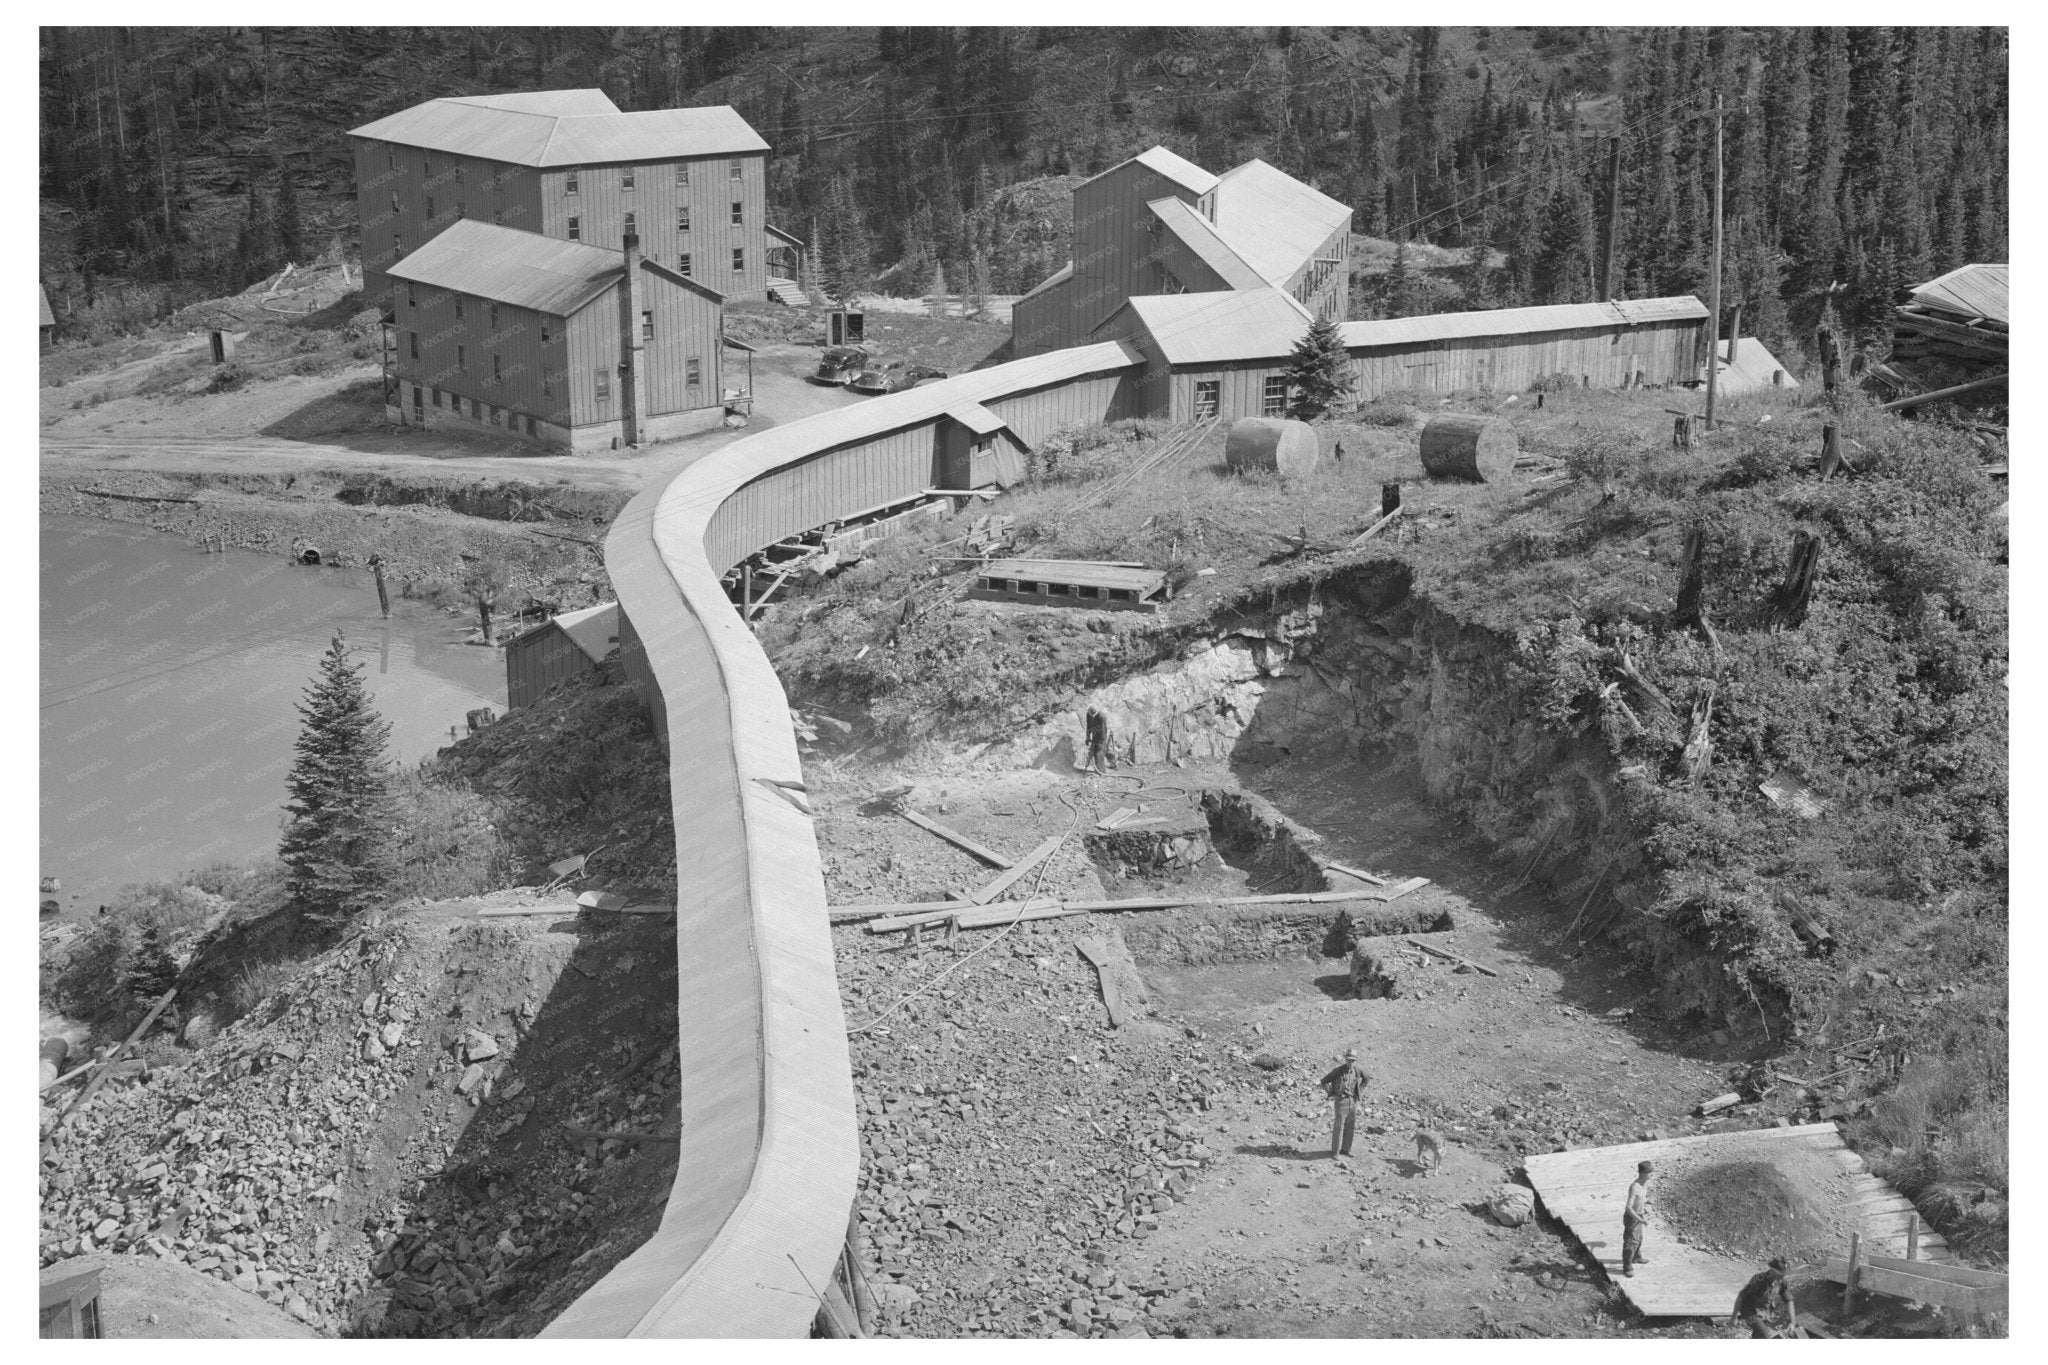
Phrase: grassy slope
pixel 1890 698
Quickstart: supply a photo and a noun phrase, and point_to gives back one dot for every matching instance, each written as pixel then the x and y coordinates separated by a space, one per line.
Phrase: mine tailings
pixel 1360 660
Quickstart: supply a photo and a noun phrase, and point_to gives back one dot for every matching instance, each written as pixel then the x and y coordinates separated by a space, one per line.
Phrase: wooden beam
pixel 1940 394
pixel 1097 953
pixel 1452 957
pixel 107 1067
pixel 1354 872
pixel 1003 881
pixel 1375 528
pixel 956 838
pixel 1915 1286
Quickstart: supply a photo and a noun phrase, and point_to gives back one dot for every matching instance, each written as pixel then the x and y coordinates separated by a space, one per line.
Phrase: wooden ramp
pixel 1585 1190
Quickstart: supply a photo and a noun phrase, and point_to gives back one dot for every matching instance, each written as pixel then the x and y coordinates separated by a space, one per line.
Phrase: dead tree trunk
pixel 1699 749
pixel 1795 594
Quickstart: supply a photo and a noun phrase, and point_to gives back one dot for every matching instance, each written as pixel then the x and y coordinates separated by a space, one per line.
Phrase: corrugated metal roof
pixel 508 265
pixel 1140 581
pixel 1493 322
pixel 1971 291
pixel 1273 220
pixel 46 318
pixel 594 629
pixel 1052 281
pixel 1212 328
pixel 1178 169
pixel 1199 235
pixel 976 419
pixel 545 136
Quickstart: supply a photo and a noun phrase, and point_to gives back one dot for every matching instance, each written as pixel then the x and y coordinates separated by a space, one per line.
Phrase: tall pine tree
pixel 337 845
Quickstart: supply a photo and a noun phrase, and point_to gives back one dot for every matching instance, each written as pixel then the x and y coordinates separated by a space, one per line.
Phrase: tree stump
pixel 1469 446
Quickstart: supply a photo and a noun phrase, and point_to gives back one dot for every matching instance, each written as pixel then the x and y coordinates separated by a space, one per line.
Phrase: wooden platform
pixel 1585 1190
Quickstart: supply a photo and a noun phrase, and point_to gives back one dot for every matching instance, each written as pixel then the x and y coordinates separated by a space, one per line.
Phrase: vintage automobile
pixel 841 363
pixel 891 377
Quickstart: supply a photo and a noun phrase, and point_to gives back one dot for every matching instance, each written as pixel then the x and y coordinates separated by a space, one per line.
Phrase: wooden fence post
pixel 1691 575
pixel 1849 1281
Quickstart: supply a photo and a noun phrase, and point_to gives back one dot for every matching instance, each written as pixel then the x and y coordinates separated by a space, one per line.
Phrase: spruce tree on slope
pixel 1318 371
pixel 337 837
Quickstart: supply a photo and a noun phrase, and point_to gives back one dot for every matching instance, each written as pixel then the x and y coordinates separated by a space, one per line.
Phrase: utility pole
pixel 1613 219
pixel 1714 279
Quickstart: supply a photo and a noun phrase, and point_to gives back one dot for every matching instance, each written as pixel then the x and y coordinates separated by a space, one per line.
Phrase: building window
pixel 683 264
pixel 396 249
pixel 632 224
pixel 476 408
pixel 626 178
pixel 413 344
pixel 462 359
pixel 494 317
pixel 1275 397
pixel 419 406
pixel 682 175
pixel 737 164
pixel 458 173
pixel 390 156
pixel 430 206
pixel 412 295
pixel 738 213
pixel 529 427
pixel 545 335
pixel 693 371
pixel 497 369
pixel 604 382
pixel 575 228
pixel 498 217
pixel 647 324
pixel 569 186
pixel 394 203
pixel 437 397
pixel 458 307
pixel 495 413
pixel 683 218
pixel 547 383
pixel 461 209
pixel 1207 396
pixel 739 260
pixel 426 164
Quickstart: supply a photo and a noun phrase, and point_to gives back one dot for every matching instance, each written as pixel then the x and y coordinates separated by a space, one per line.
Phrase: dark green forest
pixel 1857 160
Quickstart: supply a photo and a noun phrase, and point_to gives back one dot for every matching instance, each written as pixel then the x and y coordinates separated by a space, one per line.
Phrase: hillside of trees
pixel 1858 160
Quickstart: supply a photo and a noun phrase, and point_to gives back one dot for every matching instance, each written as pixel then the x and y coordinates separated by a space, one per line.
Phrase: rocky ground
pixel 391 1145
pixel 1030 1171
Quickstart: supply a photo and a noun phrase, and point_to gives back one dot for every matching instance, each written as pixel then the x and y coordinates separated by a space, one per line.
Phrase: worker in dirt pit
pixel 1635 1215
pixel 1766 1290
pixel 1345 1085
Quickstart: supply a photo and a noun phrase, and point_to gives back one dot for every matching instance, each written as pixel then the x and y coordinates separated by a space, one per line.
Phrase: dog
pixel 1429 1153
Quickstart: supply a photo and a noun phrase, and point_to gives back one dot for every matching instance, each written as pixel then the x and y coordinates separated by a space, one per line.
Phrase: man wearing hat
pixel 1635 1214
pixel 1345 1085
pixel 1767 1290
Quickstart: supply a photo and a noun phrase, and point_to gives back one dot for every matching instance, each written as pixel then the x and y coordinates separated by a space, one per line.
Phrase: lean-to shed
pixel 558 649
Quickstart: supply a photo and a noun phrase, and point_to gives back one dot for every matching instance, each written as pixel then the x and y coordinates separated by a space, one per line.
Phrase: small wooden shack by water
pixel 559 648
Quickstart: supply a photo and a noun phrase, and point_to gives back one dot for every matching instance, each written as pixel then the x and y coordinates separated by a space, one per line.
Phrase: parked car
pixel 891 377
pixel 841 363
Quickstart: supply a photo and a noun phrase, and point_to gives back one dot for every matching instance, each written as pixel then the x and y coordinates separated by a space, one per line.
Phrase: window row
pixel 572 182
pixel 693 366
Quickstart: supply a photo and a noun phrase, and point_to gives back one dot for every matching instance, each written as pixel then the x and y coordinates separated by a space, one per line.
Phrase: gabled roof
pixel 976 419
pixel 563 128
pixel 1751 371
pixel 1052 281
pixel 1213 328
pixel 1970 291
pixel 1198 234
pixel 1495 322
pixel 1273 220
pixel 1178 169
pixel 594 629
pixel 508 265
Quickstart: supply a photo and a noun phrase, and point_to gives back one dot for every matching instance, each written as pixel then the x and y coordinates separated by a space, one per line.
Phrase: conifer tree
pixel 291 231
pixel 150 970
pixel 337 837
pixel 1318 371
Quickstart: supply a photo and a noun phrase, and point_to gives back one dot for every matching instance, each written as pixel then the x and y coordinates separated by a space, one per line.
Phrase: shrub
pixel 1555 383
pixel 227 378
pixel 1379 412
pixel 448 845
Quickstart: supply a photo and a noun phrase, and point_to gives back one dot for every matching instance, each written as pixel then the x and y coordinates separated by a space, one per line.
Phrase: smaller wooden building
pixel 558 649
pixel 1069 583
pixel 69 1307
pixel 46 321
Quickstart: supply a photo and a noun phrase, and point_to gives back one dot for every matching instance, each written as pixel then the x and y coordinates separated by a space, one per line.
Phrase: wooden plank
pixel 1002 882
pixel 513 911
pixel 1354 872
pixel 1940 1270
pixel 1097 953
pixel 955 838
pixel 976 917
pixel 1919 1288
pixel 114 1059
pixel 1452 957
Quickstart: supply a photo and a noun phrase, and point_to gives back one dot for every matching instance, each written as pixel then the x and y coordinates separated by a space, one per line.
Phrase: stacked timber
pixel 1469 446
pixel 1961 321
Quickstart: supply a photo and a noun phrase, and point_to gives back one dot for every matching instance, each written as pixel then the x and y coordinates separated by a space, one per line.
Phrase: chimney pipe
pixel 631 347
pixel 1734 332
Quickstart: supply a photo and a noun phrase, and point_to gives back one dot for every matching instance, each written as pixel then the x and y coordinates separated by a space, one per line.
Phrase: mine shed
pixel 560 648
pixel 1069 583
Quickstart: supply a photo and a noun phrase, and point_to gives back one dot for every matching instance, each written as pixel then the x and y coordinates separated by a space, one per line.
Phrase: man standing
pixel 1634 1214
pixel 1767 1290
pixel 1345 1085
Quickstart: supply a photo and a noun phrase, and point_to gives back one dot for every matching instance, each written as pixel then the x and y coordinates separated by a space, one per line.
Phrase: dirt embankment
pixel 426 530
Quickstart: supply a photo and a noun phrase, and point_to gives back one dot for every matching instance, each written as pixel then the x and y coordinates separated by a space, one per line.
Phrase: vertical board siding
pixel 600 206
pixel 1660 353
pixel 593 344
pixel 538 661
pixel 828 486
pixel 1035 415
pixel 1043 323
pixel 1114 252
pixel 515 341
pixel 686 325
